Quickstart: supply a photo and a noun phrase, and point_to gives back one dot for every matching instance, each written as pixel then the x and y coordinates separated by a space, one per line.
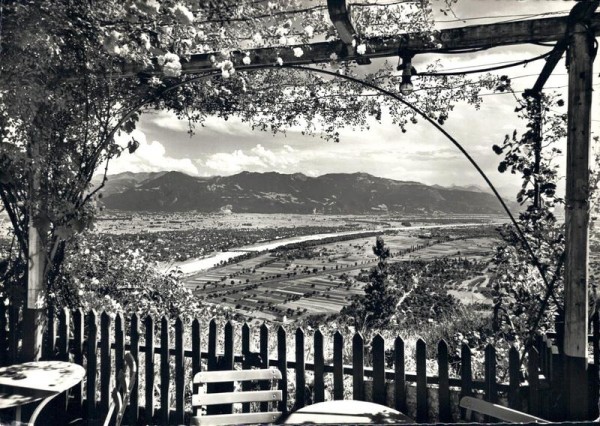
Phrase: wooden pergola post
pixel 580 63
pixel 34 312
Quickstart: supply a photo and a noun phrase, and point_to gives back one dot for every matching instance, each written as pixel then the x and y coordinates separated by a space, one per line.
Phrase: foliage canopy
pixel 65 100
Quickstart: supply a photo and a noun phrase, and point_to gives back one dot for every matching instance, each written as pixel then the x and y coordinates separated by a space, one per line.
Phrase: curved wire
pixel 393 95
pixel 534 258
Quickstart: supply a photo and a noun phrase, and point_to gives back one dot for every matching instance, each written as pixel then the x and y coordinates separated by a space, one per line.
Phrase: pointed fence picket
pixel 445 412
pixel 319 367
pixel 421 381
pixel 358 373
pixel 162 391
pixel 300 370
pixel 149 370
pixel 399 376
pixel 165 373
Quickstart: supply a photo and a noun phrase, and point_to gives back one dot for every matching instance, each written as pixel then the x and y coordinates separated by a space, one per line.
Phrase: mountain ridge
pixel 273 192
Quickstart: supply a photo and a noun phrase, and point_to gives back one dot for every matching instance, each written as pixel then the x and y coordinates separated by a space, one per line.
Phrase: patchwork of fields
pixel 322 279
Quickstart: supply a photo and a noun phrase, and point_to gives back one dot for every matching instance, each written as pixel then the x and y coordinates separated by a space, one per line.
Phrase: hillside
pixel 356 193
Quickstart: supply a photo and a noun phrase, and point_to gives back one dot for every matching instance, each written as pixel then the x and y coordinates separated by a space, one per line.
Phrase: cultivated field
pixel 322 278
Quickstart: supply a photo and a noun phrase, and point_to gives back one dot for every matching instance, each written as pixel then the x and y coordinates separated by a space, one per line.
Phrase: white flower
pixel 246 60
pixel 124 50
pixel 145 41
pixel 227 69
pixel 282 31
pixel 171 57
pixel 361 49
pixel 154 81
pixel 225 65
pixel 212 59
pixel 171 65
pixel 172 69
pixel 257 38
pixel 298 52
pixel 111 43
pixel 309 30
pixel 279 61
pixel 333 56
pixel 183 14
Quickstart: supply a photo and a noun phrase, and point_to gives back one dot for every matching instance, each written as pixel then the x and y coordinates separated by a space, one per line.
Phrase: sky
pixel 421 154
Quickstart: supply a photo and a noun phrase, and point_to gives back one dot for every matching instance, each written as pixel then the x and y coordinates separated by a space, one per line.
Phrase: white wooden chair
pixel 125 382
pixel 204 399
pixel 499 412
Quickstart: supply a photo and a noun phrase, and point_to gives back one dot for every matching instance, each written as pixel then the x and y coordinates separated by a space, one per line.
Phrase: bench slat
pixel 498 411
pixel 235 397
pixel 236 375
pixel 236 419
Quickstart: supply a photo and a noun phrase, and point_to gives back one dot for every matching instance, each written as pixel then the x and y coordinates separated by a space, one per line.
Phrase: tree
pixel 377 306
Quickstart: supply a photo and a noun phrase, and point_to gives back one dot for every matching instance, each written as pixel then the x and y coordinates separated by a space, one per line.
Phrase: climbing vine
pixel 524 302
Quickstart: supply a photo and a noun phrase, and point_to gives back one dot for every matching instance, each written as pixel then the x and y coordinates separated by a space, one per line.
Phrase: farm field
pixel 321 279
pixel 472 248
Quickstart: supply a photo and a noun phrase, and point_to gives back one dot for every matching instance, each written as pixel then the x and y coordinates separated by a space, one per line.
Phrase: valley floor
pixel 320 279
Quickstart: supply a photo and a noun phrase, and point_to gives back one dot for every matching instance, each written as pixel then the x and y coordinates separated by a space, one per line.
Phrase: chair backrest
pixel 203 398
pixel 499 412
pixel 122 391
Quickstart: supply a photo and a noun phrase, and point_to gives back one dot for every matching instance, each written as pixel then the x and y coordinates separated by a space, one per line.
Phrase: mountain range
pixel 272 192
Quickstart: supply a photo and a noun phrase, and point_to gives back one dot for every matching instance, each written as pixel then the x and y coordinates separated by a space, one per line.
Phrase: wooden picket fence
pixel 99 342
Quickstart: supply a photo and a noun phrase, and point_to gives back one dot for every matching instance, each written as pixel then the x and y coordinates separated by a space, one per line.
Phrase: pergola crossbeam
pixel 449 40
pixel 581 12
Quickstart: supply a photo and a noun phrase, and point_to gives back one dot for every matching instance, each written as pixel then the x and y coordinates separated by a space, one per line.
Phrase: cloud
pixel 149 157
pixel 257 158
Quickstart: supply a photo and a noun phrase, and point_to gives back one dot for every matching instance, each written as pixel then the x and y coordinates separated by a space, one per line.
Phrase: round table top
pixel 48 376
pixel 347 411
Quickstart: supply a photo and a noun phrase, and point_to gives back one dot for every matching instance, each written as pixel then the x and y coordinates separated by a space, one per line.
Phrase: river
pixel 192 266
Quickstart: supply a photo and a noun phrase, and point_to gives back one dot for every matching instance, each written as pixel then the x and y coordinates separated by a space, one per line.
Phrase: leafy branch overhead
pixel 65 101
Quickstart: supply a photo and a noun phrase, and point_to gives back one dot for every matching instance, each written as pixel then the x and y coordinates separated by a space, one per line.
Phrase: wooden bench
pixel 204 399
pixel 499 412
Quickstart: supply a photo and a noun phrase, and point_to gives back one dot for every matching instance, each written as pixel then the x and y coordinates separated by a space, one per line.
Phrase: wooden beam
pixel 470 37
pixel 580 62
pixel 581 12
pixel 338 13
pixel 340 17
